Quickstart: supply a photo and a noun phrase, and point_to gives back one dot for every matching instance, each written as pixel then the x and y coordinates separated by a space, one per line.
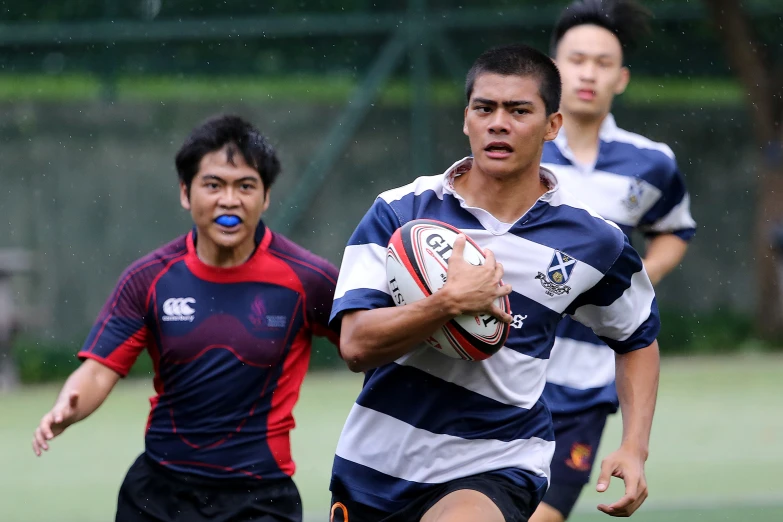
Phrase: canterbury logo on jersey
pixel 179 309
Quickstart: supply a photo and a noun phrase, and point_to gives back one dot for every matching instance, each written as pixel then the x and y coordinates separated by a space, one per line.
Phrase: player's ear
pixel 554 122
pixel 625 77
pixel 184 195
pixel 465 122
pixel 267 200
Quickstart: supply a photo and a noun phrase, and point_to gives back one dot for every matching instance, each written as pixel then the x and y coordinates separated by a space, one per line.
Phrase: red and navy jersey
pixel 230 348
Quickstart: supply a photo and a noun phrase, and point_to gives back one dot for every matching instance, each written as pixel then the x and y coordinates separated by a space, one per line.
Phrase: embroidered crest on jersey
pixel 557 274
pixel 633 199
pixel 261 320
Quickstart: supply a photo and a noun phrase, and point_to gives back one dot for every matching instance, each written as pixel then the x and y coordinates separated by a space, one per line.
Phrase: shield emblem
pixel 559 270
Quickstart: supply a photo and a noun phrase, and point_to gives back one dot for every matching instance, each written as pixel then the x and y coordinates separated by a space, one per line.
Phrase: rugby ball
pixel 417 260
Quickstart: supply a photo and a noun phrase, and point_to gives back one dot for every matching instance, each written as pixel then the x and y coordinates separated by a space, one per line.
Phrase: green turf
pixel 716 452
pixel 332 89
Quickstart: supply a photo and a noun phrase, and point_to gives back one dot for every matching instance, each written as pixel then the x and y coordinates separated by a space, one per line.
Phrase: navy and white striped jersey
pixel 636 184
pixel 427 419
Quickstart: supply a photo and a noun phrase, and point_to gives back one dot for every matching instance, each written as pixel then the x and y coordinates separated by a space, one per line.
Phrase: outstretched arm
pixel 82 394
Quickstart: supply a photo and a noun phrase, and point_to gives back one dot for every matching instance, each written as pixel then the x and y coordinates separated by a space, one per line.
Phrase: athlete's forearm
pixel 372 338
pixel 637 388
pixel 93 382
pixel 664 253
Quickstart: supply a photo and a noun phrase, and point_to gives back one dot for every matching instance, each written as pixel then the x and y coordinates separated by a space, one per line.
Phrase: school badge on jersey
pixel 557 274
pixel 633 199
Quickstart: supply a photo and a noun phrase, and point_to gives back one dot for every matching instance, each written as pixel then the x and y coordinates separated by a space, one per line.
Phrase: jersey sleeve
pixel 120 332
pixel 621 308
pixel 319 297
pixel 362 284
pixel 671 214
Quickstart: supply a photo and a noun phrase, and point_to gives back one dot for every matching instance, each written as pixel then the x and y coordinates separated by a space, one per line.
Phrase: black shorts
pixel 152 493
pixel 513 501
pixel 577 437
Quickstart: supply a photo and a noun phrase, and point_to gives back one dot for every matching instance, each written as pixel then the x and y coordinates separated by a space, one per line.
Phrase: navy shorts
pixel 577 437
pixel 513 501
pixel 152 493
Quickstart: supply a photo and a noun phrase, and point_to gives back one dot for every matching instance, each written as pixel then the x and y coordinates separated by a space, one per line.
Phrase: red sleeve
pixel 120 332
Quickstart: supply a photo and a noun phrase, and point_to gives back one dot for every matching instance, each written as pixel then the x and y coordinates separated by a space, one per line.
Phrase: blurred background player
pixel 227 313
pixel 439 439
pixel 625 178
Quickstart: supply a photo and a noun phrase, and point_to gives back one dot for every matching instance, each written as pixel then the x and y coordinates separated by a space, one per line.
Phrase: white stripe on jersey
pixel 521 257
pixel 508 376
pixel 416 187
pixel 677 219
pixel 614 133
pixel 616 320
pixel 403 451
pixel 363 266
pixel 580 365
pixel 604 192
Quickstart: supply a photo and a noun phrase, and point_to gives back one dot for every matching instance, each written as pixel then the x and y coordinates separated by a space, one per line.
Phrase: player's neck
pixel 213 255
pixel 507 198
pixel 582 135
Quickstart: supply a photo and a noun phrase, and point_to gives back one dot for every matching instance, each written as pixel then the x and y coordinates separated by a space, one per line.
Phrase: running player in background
pixel 437 439
pixel 227 313
pixel 625 178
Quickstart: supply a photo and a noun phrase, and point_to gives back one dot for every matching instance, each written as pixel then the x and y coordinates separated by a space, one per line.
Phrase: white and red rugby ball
pixel 416 266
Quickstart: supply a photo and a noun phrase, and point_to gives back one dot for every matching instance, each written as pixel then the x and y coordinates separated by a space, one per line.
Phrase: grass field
pixel 716 453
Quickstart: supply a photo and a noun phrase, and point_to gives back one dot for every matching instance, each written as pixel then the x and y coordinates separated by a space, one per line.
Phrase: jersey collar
pixel 263 237
pixel 607 132
pixel 487 220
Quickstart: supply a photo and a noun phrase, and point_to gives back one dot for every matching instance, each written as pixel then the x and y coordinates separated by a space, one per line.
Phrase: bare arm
pixel 664 253
pixel 637 388
pixel 82 394
pixel 372 338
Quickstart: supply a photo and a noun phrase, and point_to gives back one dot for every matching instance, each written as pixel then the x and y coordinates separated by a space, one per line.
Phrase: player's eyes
pixel 483 109
pixel 248 186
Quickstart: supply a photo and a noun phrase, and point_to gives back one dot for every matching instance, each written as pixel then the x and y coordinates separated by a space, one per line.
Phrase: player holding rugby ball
pixel 437 438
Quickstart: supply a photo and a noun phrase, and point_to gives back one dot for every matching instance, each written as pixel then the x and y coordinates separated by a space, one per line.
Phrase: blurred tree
pixel 760 69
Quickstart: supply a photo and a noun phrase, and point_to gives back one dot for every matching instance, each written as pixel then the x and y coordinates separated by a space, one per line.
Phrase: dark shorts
pixel 577 437
pixel 152 493
pixel 513 501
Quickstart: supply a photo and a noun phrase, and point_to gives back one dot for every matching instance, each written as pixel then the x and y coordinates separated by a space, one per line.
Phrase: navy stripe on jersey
pixel 577 331
pixel 377 225
pixel 553 155
pixel 563 400
pixel 428 205
pixel 361 298
pixel 480 417
pixel 386 487
pixel 671 196
pixel 537 339
pixel 614 283
pixel 626 159
pixel 572 231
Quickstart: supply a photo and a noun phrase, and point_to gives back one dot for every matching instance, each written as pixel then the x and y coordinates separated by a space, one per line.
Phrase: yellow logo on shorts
pixel 580 457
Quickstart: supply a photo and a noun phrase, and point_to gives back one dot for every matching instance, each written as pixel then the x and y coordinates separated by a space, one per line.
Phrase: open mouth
pixel 498 150
pixel 586 94
pixel 228 220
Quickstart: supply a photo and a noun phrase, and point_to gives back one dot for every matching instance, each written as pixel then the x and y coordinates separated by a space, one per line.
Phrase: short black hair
pixel 626 19
pixel 239 136
pixel 519 60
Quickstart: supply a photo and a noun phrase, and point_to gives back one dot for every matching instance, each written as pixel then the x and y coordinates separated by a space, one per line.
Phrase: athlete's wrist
pixel 446 302
pixel 636 448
